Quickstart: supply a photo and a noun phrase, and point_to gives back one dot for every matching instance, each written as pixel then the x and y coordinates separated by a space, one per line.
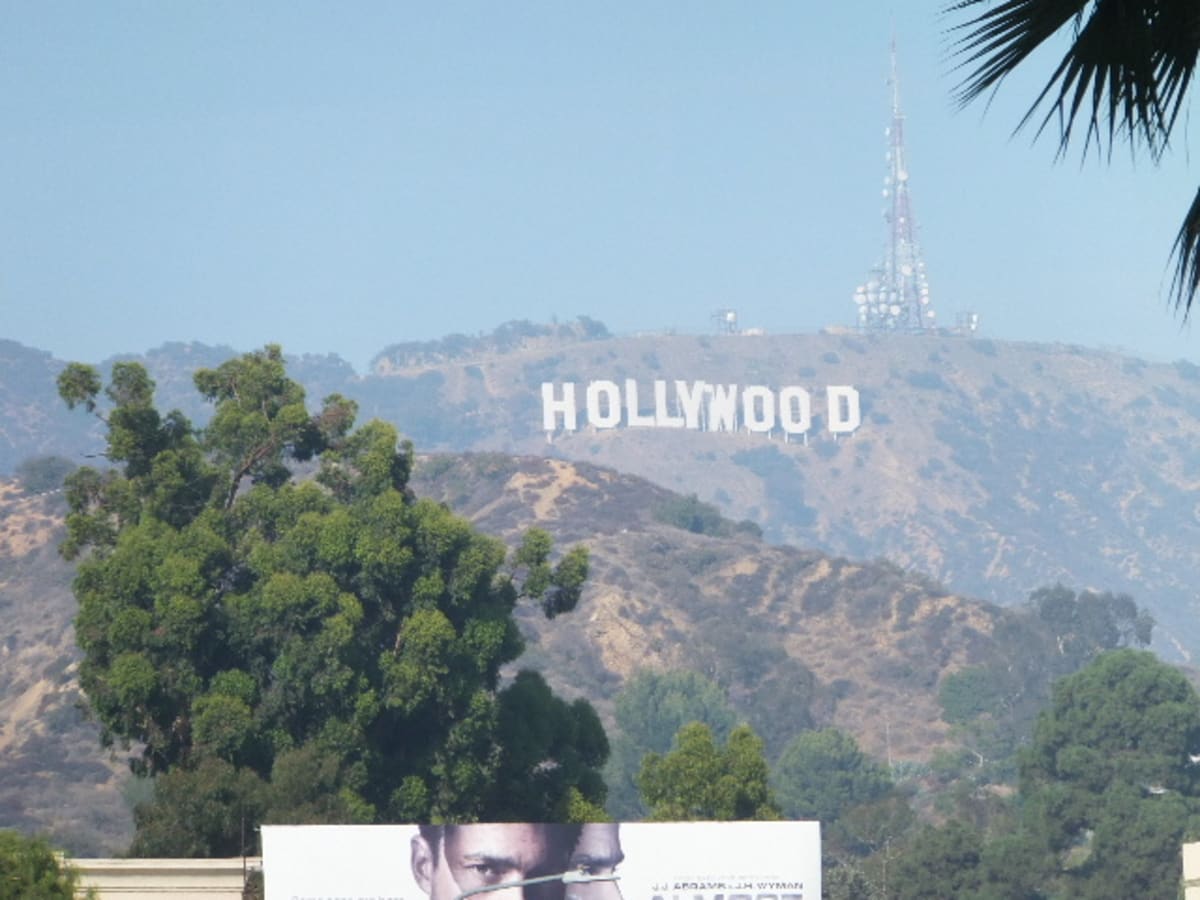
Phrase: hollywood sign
pixel 698 405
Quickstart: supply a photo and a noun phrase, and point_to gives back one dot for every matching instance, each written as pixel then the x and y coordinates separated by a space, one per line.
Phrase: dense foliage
pixel 319 650
pixel 31 870
pixel 650 710
pixel 1110 772
pixel 43 473
pixel 994 704
pixel 823 774
pixel 699 779
pixel 1108 792
pixel 692 514
pixel 1108 788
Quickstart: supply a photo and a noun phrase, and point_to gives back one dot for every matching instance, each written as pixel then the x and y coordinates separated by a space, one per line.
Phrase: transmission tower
pixel 896 295
pixel 725 321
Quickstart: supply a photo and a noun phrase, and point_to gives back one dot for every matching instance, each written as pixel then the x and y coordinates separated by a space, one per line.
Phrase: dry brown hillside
pixel 812 639
pixel 875 639
pixel 54 776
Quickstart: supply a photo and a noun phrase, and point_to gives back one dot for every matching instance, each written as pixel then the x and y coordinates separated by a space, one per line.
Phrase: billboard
pixel 523 861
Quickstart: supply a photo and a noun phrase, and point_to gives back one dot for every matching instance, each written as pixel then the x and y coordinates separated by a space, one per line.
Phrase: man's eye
pixel 597 869
pixel 485 871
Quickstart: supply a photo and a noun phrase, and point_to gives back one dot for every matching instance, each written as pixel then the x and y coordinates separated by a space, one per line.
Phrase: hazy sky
pixel 338 177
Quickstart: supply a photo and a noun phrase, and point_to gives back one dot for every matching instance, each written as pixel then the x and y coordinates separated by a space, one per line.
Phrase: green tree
pixel 31 870
pixel 535 726
pixel 1108 792
pixel 692 514
pixel 1125 74
pixel 1087 623
pixel 868 838
pixel 841 881
pixel 203 811
pixel 320 650
pixel 1015 866
pixel 969 693
pixel 822 774
pixel 993 706
pixel 43 473
pixel 1109 778
pixel 942 863
pixel 701 780
pixel 955 860
pixel 650 710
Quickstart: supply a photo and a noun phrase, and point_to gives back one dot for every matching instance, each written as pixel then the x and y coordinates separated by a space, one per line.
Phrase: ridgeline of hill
pixel 992 467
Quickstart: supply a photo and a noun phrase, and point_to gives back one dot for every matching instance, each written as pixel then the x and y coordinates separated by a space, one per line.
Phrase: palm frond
pixel 1186 281
pixel 1125 74
pixel 1177 35
pixel 1000 39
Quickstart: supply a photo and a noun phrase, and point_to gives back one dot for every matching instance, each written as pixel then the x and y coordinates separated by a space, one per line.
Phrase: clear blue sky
pixel 338 177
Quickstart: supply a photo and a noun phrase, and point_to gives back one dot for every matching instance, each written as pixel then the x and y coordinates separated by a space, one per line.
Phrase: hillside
pixel 803 638
pixel 54 776
pixel 797 638
pixel 992 467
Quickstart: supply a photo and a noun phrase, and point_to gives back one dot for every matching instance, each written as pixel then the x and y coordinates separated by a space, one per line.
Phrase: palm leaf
pixel 1125 75
pixel 1186 281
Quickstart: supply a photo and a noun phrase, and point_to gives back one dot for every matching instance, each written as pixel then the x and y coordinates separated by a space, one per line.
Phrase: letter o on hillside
pixel 795 410
pixel 758 408
pixel 603 404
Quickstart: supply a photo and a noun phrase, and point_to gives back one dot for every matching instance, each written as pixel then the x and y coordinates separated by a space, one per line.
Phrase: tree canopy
pixel 822 774
pixel 650 709
pixel 699 779
pixel 31 870
pixel 1108 791
pixel 1109 773
pixel 1058 631
pixel 940 864
pixel 324 648
pixel 1087 623
pixel 1125 74
pixel 43 473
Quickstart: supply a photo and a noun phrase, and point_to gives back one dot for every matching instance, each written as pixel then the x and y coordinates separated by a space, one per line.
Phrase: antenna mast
pixel 896 295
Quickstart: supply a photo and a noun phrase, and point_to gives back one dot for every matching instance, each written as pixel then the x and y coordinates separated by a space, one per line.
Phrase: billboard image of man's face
pixel 597 852
pixel 452 859
pixel 653 860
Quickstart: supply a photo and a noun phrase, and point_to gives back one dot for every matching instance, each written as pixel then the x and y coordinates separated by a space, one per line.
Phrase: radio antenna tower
pixel 896 295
